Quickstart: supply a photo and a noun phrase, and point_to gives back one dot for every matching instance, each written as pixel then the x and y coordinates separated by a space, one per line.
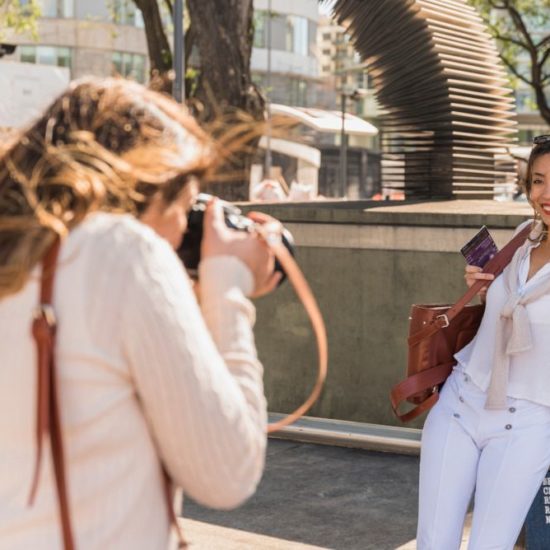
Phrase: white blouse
pixel 529 371
pixel 141 377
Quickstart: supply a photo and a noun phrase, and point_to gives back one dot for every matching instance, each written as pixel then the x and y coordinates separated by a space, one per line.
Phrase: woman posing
pixel 147 380
pixel 489 433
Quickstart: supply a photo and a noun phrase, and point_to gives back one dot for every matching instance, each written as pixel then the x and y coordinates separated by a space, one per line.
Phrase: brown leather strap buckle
pixel 445 320
pixel 46 312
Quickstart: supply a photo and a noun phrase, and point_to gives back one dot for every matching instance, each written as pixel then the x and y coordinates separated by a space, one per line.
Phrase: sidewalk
pixel 315 496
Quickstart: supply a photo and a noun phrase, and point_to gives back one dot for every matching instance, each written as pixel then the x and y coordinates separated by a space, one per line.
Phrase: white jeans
pixel 504 455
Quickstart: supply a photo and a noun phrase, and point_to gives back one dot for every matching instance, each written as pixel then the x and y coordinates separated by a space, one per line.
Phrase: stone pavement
pixel 319 497
pixel 316 496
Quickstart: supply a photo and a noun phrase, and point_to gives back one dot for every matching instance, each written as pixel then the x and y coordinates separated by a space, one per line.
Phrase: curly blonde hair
pixel 104 144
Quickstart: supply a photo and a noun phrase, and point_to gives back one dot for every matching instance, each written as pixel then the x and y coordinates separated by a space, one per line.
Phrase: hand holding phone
pixel 480 249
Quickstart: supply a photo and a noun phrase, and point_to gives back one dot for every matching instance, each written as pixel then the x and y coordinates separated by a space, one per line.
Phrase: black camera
pixel 190 249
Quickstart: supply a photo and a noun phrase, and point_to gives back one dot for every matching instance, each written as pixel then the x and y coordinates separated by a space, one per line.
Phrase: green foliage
pixel 521 29
pixel 19 17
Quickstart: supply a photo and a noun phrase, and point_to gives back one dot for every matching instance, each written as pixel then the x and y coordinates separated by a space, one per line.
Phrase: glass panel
pixel 302 93
pixel 312 36
pixel 126 64
pixel 116 11
pixel 27 54
pixel 130 13
pixel 278 32
pixel 139 23
pixel 117 64
pixel 260 29
pixel 125 12
pixel 289 33
pixel 64 57
pixel 49 8
pixel 300 38
pixel 46 55
pixel 68 8
pixel 139 68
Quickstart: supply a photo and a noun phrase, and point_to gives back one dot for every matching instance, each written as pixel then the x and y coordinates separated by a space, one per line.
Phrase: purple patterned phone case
pixel 480 249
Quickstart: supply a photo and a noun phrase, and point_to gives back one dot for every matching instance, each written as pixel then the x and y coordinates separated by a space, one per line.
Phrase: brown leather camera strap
pixel 48 420
pixel 495 266
pixel 303 291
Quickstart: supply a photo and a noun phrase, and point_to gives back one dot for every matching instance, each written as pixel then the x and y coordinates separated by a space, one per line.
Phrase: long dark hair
pixel 538 151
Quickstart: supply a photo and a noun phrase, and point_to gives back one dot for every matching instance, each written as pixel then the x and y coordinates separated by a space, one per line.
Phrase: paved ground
pixel 319 497
pixel 315 496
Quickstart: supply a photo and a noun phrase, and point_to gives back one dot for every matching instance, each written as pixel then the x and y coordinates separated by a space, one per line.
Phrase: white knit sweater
pixel 142 377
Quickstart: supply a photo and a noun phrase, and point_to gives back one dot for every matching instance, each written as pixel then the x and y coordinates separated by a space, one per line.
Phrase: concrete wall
pixel 366 265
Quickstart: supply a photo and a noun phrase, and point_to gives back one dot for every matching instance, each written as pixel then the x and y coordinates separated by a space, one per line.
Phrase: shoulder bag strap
pixel 495 266
pixel 48 420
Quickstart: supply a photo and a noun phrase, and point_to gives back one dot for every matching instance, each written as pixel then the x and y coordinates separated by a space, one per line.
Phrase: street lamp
pixel 179 52
pixel 354 95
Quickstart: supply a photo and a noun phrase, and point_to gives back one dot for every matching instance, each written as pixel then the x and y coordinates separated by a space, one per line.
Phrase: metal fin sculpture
pixel 436 72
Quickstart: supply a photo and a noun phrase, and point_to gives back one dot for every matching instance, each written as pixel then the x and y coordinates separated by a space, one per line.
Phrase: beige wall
pixel 366 264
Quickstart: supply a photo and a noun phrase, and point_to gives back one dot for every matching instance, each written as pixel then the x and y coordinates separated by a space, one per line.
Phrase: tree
pixel 222 33
pixel 19 16
pixel 522 31
pixel 160 55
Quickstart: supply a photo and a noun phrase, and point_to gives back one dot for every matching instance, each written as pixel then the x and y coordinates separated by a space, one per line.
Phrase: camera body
pixel 190 249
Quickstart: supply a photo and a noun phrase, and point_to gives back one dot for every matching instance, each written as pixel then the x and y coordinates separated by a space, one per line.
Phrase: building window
pixel 298 92
pixel 129 65
pixel 64 57
pixel 46 55
pixel 124 12
pixel 260 29
pixel 289 33
pixel 27 54
pixel 57 8
pixel 296 35
pixel 326 36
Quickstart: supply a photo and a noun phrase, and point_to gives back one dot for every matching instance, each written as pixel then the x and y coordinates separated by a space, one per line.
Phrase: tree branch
pixel 170 8
pixel 545 42
pixel 160 55
pixel 520 25
pixel 509 39
pixel 514 71
pixel 496 6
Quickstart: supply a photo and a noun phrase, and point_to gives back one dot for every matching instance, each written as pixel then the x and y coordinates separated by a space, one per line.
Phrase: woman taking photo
pixel 147 379
pixel 489 433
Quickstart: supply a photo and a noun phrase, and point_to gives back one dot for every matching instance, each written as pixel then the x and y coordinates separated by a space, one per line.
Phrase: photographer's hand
pixel 219 240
